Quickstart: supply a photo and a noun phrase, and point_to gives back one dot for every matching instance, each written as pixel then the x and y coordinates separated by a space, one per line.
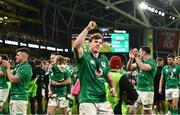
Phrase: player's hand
pixel 135 52
pixel 133 82
pixel 91 25
pixel 49 94
pixel 112 92
pixel 6 64
pixel 131 55
pixel 53 83
pixel 160 90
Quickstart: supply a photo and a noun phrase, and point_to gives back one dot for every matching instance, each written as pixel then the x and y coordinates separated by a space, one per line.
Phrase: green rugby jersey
pixel 58 75
pixel 3 84
pixel 145 78
pixel 19 90
pixel 171 76
pixel 92 88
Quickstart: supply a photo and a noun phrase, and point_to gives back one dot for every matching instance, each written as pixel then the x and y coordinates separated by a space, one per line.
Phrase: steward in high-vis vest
pixel 126 94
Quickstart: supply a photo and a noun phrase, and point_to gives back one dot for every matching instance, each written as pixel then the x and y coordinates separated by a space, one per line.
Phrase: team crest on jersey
pixel 103 64
pixel 174 70
pixel 92 62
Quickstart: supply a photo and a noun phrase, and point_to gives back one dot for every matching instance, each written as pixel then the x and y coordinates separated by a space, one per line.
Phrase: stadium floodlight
pixel 156 11
pixel 1 18
pixel 66 50
pixel 1 41
pixel 51 48
pixel 33 45
pixel 143 5
pixel 149 8
pixel 173 18
pixel 159 12
pixel 163 14
pixel 5 17
pixel 152 9
pixel 107 7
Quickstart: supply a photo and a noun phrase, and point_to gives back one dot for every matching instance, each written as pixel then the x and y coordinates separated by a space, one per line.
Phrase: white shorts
pixel 146 99
pixel 172 93
pixel 95 108
pixel 3 95
pixel 18 107
pixel 62 102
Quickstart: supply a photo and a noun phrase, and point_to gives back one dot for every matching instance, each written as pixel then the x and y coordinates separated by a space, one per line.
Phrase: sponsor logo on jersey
pixel 92 62
pixel 103 64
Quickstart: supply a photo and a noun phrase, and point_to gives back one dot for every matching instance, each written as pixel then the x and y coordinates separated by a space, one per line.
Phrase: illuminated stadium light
pixel 163 14
pixel 152 9
pixel 11 42
pixel 159 12
pixel 66 50
pixel 143 5
pixel 149 8
pixel 51 48
pixel 173 18
pixel 1 41
pixel 156 11
pixel 42 47
pixel 60 50
pixel 1 18
pixel 107 7
pixel 23 44
pixel 33 45
pixel 5 17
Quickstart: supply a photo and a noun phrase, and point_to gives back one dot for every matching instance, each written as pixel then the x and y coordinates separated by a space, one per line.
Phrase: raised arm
pixel 81 38
pixel 140 64
pixel 130 66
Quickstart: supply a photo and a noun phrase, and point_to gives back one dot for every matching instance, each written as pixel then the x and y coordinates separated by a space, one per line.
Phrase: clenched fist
pixel 91 25
pixel 6 64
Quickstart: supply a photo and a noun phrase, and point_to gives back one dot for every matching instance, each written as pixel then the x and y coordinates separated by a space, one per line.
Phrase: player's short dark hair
pixel 25 50
pixel 4 57
pixel 159 59
pixel 95 36
pixel 146 49
pixel 170 56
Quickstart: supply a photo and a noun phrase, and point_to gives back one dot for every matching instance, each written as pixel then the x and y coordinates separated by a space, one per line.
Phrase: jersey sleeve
pixel 3 70
pixel 23 72
pixel 67 74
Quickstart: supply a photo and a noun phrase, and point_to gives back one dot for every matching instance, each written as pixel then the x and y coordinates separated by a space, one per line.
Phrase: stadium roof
pixel 56 19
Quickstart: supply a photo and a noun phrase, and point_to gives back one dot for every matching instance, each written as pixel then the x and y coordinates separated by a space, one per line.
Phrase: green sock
pixel 1 112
